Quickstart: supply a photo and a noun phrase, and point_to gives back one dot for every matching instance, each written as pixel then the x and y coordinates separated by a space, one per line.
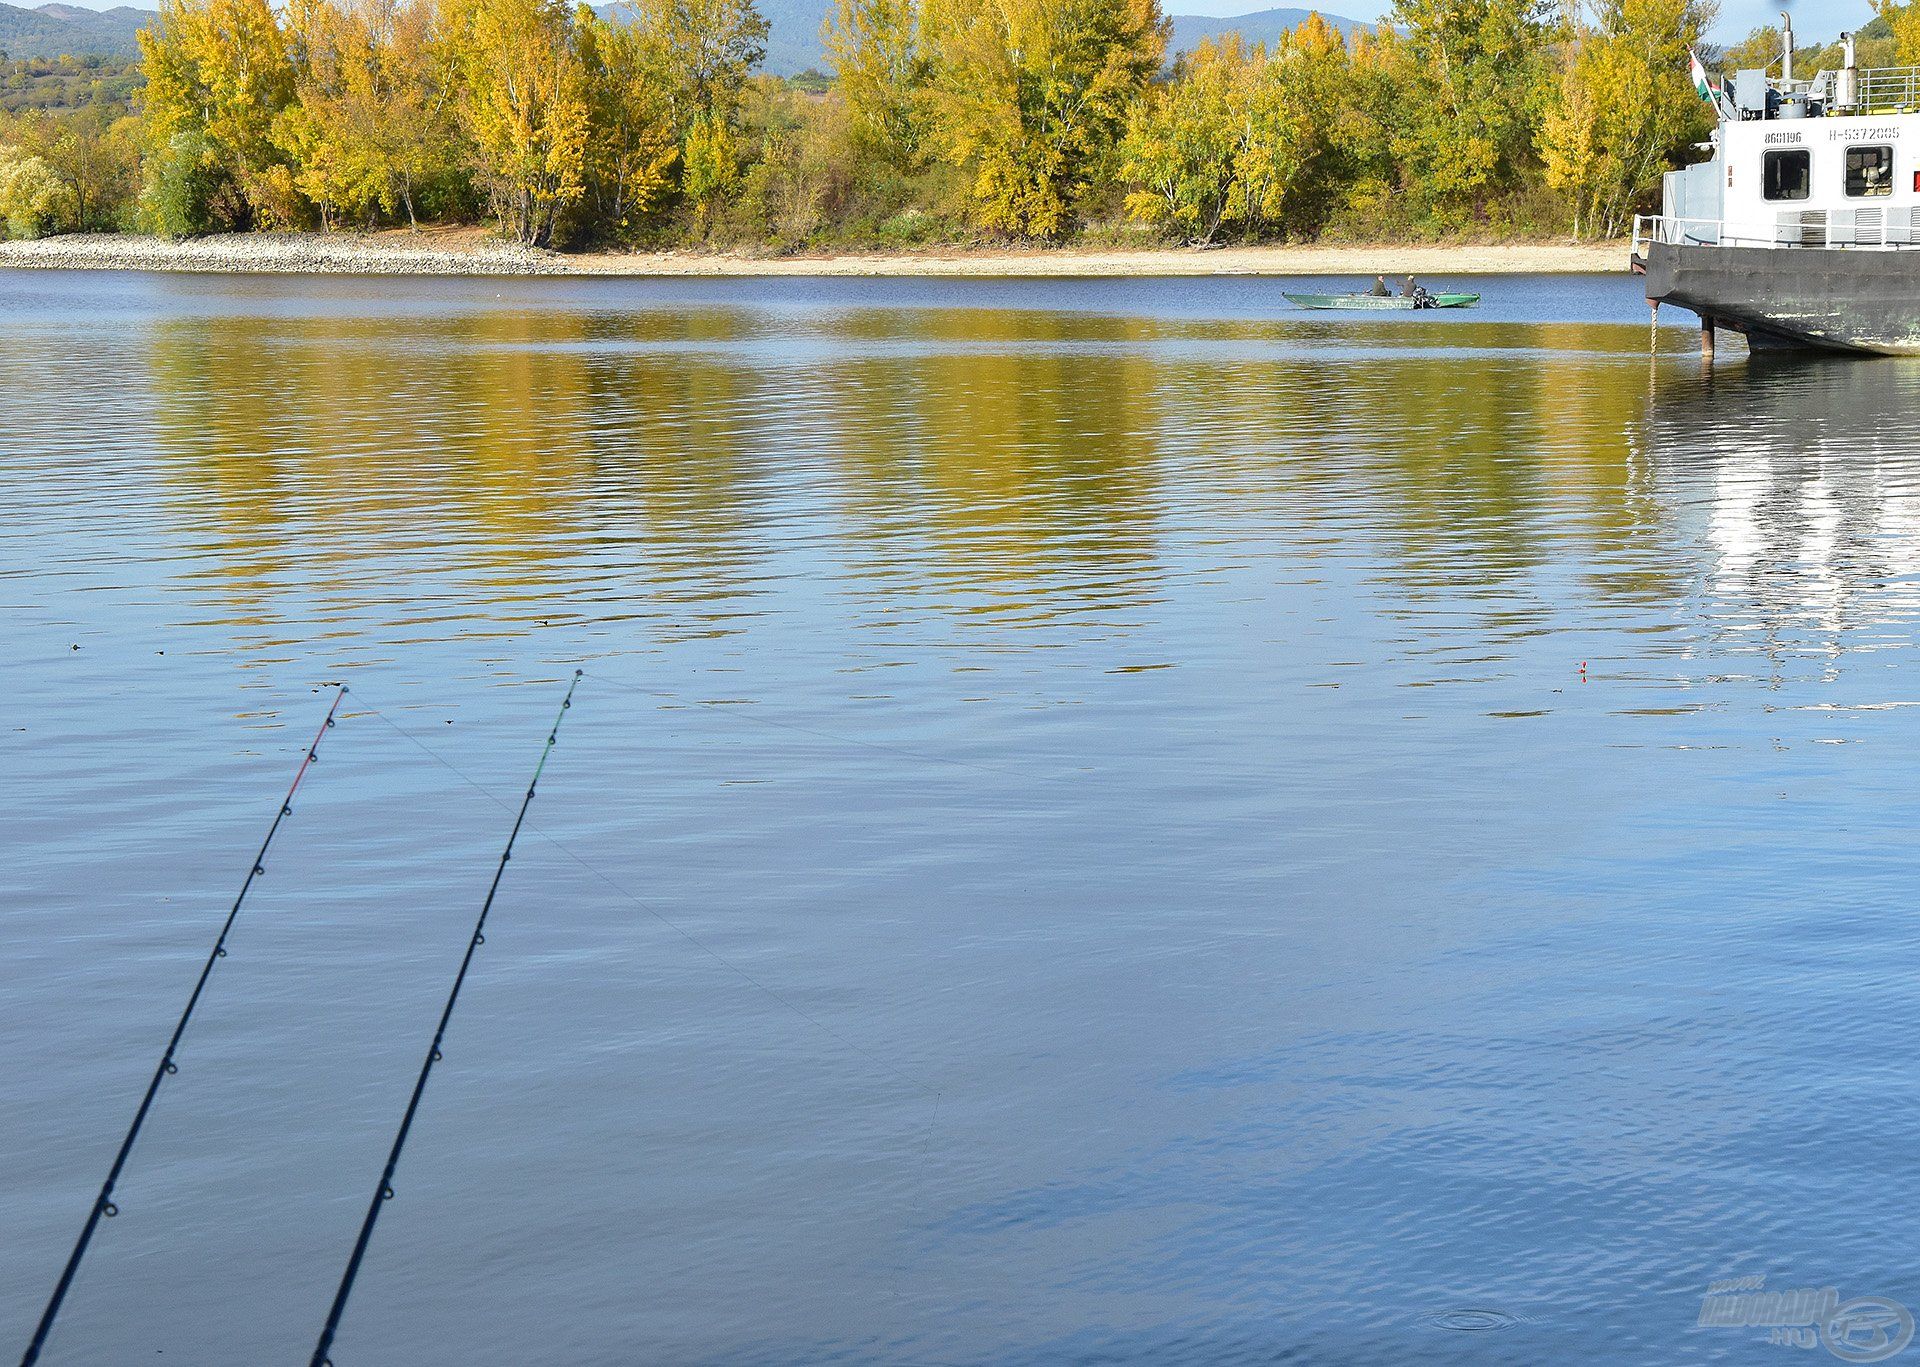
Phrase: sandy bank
pixel 473 252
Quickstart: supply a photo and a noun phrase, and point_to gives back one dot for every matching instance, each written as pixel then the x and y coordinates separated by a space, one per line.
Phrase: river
pixel 1104 822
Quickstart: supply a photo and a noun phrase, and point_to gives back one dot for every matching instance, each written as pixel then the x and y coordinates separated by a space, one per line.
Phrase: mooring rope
pixel 103 1204
pixel 384 1191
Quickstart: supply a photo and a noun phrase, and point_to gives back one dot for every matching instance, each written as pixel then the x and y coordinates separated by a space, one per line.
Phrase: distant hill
pixel 793 37
pixel 793 40
pixel 56 30
pixel 1262 26
pixel 792 46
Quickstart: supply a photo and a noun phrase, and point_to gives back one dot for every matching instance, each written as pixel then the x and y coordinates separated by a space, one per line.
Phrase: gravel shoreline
pixel 472 252
pixel 275 253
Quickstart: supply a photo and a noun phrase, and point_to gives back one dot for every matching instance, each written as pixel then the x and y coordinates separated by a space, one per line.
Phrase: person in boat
pixel 1410 290
pixel 1380 290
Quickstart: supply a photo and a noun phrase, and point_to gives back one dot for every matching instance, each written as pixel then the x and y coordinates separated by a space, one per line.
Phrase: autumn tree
pixel 632 152
pixel 1474 77
pixel 523 104
pixel 1626 108
pixel 218 75
pixel 33 202
pixel 1904 20
pixel 94 158
pixel 1317 109
pixel 881 71
pixel 703 51
pixel 375 113
pixel 1245 139
pixel 1031 95
pixel 804 163
pixel 1188 141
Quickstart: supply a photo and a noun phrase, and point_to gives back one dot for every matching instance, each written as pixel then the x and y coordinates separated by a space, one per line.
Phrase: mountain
pixel 793 37
pixel 1262 26
pixel 792 46
pixel 53 30
pixel 793 40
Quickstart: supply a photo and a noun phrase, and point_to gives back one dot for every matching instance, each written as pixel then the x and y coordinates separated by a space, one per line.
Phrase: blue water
pixel 1105 821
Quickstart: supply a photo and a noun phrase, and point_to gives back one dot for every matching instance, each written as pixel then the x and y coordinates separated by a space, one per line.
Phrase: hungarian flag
pixel 1701 81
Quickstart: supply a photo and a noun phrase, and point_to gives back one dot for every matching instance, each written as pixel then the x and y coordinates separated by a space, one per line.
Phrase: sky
pixel 1821 19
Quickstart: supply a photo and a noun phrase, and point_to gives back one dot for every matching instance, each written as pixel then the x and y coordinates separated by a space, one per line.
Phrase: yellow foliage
pixel 219 68
pixel 33 202
pixel 1031 94
pixel 524 105
pixel 1904 20
pixel 1244 138
pixel 374 115
pixel 1625 108
pixel 882 71
pixel 632 152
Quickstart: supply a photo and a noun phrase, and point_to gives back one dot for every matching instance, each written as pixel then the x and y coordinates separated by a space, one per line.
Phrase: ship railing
pixel 1879 90
pixel 1680 232
pixel 1858 230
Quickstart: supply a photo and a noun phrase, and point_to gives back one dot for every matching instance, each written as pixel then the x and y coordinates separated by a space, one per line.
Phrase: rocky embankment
pixel 284 253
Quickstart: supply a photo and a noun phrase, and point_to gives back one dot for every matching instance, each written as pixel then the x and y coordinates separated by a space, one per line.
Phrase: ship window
pixel 1788 175
pixel 1869 171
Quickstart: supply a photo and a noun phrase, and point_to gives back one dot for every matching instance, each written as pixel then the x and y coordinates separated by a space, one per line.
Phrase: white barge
pixel 1802 229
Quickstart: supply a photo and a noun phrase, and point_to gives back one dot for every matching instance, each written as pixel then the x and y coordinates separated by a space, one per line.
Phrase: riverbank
pixel 475 252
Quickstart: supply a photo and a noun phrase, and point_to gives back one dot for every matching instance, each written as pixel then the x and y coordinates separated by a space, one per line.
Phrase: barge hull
pixel 1838 299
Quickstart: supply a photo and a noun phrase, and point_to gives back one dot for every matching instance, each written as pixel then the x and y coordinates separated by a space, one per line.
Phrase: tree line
pixel 940 121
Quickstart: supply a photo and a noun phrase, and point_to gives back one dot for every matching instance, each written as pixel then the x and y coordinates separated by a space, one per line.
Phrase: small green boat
pixel 1374 301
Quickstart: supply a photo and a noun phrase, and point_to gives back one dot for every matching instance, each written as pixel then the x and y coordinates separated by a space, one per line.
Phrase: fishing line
pixel 384 1191
pixel 879 1064
pixel 103 1205
pixel 685 934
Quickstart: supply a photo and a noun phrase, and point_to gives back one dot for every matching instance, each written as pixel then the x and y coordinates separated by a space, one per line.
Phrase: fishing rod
pixel 384 1192
pixel 103 1203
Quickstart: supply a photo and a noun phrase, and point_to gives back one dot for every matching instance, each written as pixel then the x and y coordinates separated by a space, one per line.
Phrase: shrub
pixel 185 189
pixel 33 201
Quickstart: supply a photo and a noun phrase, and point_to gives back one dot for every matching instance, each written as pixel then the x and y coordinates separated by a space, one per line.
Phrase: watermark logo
pixel 1865 1329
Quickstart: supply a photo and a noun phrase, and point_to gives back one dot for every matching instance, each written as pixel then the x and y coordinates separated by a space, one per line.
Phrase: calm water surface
pixel 1106 822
